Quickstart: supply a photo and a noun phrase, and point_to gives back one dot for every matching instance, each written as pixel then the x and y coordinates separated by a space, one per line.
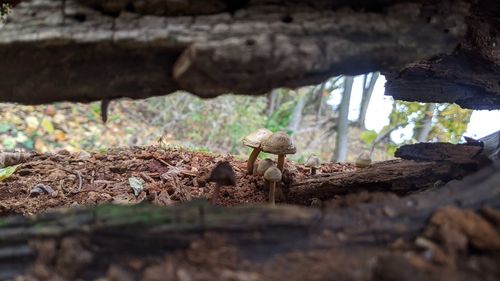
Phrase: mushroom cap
pixel 263 166
pixel 279 143
pixel 273 174
pixel 363 160
pixel 255 165
pixel 313 162
pixel 223 174
pixel 256 138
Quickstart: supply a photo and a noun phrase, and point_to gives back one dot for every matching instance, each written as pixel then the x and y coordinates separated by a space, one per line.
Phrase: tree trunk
pixel 294 124
pixel 320 100
pixel 367 95
pixel 421 132
pixel 340 153
pixel 271 103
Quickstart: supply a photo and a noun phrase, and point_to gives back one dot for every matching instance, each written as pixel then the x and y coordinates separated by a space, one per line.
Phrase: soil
pixel 169 176
pixel 451 244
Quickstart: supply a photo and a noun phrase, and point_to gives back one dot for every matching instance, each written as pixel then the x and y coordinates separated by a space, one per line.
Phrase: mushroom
pixel 316 202
pixel 263 166
pixel 280 144
pixel 255 165
pixel 254 140
pixel 313 163
pixel 363 160
pixel 272 175
pixel 222 174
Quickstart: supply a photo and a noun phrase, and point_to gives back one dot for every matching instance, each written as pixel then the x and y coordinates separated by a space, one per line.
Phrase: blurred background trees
pixel 318 117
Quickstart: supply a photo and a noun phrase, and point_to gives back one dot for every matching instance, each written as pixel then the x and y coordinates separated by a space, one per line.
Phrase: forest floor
pixel 361 236
pixel 168 176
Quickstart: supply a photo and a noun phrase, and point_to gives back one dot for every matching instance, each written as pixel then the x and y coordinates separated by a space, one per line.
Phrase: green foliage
pixel 451 123
pixel 391 149
pixel 216 125
pixel 368 136
pixel 4 128
pixel 448 124
pixel 281 117
pixel 404 113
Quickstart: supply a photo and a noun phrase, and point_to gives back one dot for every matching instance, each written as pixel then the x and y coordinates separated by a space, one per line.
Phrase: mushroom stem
pixel 281 162
pixel 215 194
pixel 251 160
pixel 280 165
pixel 313 170
pixel 272 192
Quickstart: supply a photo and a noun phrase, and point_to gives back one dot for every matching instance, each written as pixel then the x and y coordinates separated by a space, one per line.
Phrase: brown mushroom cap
pixel 279 143
pixel 313 162
pixel 273 174
pixel 256 138
pixel 263 166
pixel 223 174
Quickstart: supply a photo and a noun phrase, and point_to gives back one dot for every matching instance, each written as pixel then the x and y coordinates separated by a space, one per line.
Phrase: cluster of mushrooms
pixel 278 143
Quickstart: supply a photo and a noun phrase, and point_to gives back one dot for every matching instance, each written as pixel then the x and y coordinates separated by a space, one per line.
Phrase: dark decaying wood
pixel 116 234
pixel 424 166
pixel 98 50
pixel 397 176
pixel 457 153
pixel 468 76
pixel 480 150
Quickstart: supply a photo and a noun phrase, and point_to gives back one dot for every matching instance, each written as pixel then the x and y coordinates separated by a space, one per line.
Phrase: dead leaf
pixel 7 172
pixel 137 185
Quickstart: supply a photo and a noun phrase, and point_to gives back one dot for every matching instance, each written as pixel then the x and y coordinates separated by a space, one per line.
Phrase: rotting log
pixel 467 76
pixel 110 235
pixel 480 151
pixel 424 166
pixel 397 176
pixel 426 151
pixel 84 50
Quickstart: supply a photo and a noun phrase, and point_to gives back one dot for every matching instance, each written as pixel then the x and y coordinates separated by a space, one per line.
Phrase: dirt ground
pixel 455 244
pixel 168 175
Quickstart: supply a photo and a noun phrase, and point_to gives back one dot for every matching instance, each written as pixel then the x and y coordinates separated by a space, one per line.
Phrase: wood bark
pixel 84 50
pixel 424 166
pixel 97 238
pixel 401 177
pixel 468 76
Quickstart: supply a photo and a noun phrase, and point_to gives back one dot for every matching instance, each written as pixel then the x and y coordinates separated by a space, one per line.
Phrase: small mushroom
pixel 363 160
pixel 316 202
pixel 272 175
pixel 254 140
pixel 263 166
pixel 279 144
pixel 255 165
pixel 313 163
pixel 222 174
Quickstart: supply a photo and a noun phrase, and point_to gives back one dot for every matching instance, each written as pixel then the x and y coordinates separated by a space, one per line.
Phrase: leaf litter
pixel 167 176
